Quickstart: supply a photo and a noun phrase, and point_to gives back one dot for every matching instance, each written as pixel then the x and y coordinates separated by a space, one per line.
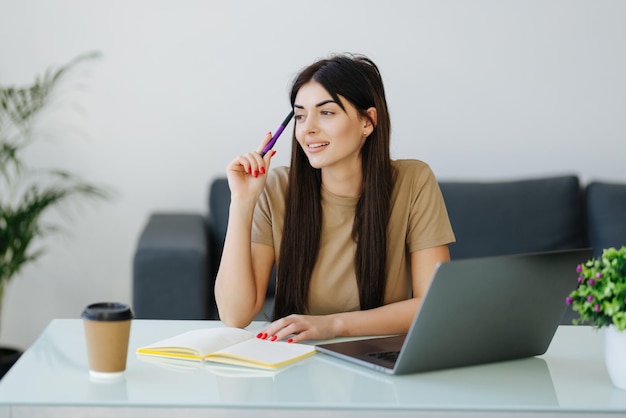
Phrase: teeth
pixel 318 145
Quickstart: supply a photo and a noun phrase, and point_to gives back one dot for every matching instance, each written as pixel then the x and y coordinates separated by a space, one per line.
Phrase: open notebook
pixel 227 345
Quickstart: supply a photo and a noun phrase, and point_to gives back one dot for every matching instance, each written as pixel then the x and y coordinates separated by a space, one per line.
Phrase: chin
pixel 315 163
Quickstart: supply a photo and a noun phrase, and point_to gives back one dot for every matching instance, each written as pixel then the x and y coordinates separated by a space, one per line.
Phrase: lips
pixel 317 145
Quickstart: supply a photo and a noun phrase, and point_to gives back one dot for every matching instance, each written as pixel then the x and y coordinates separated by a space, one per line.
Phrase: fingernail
pixel 274 338
pixel 262 170
pixel 290 340
pixel 273 152
pixel 264 336
pixel 256 173
pixel 249 170
pixel 259 335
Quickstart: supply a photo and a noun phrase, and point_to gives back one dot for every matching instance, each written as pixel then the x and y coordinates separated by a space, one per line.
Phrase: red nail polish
pixel 264 336
pixel 273 152
pixel 249 170
pixel 262 170
pixel 274 338
pixel 259 335
pixel 290 340
pixel 256 173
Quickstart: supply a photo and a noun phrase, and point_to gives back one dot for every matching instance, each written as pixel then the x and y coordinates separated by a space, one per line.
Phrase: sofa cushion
pixel 512 217
pixel 606 215
pixel 219 203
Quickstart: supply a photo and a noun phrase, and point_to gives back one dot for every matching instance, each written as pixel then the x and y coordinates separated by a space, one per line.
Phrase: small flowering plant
pixel 600 298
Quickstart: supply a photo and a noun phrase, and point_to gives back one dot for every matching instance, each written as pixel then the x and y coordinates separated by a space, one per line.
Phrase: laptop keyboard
pixel 390 356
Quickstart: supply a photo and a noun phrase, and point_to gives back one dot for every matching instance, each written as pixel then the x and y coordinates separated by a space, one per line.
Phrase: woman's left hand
pixel 296 328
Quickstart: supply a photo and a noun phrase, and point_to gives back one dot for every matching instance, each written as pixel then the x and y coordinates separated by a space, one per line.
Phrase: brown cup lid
pixel 107 311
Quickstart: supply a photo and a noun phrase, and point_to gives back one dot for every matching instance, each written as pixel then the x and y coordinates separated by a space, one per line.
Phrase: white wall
pixel 483 89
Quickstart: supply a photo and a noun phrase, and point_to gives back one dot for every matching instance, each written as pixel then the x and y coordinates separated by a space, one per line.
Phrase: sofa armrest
pixel 170 268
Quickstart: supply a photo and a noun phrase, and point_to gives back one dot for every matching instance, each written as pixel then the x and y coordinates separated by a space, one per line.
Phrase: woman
pixel 355 236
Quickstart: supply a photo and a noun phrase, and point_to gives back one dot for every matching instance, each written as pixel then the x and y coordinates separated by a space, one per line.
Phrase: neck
pixel 344 183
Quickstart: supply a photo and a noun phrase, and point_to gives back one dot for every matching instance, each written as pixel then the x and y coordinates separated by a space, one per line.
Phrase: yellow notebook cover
pixel 228 345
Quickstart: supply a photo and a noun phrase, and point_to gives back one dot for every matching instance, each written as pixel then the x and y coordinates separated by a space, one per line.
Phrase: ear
pixel 370 122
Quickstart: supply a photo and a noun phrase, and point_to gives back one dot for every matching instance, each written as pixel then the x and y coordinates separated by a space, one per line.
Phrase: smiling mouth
pixel 317 146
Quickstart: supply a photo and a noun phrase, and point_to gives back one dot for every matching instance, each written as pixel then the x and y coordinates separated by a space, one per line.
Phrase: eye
pixel 298 118
pixel 327 112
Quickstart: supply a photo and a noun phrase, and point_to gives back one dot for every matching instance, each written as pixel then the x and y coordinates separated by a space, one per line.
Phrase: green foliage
pixel 26 194
pixel 600 298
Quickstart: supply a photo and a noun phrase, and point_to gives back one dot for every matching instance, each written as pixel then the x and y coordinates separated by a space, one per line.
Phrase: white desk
pixel 51 379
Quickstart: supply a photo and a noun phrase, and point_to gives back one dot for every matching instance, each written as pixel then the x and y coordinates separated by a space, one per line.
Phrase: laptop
pixel 476 311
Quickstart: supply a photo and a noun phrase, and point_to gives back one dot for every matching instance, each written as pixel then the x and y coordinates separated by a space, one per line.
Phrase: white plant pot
pixel 615 355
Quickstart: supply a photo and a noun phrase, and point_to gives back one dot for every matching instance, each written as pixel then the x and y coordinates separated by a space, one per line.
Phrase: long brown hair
pixel 357 79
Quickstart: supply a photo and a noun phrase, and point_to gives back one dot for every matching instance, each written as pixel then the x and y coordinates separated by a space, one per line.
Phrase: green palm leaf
pixel 28 194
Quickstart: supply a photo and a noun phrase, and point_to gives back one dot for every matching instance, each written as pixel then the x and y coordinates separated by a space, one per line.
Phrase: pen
pixel 279 131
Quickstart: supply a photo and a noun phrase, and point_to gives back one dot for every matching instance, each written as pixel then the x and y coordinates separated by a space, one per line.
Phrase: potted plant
pixel 27 193
pixel 600 300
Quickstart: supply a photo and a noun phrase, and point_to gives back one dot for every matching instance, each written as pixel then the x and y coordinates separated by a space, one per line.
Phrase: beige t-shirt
pixel 418 220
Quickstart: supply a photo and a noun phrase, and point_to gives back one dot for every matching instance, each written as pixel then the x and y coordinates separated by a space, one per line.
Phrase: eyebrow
pixel 297 106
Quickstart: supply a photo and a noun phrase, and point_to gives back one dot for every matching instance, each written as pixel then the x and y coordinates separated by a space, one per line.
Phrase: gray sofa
pixel 177 254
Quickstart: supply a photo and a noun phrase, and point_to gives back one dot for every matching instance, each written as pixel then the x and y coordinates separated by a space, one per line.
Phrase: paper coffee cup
pixel 107 330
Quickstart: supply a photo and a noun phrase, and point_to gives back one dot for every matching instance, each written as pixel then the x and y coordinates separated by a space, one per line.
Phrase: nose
pixel 310 125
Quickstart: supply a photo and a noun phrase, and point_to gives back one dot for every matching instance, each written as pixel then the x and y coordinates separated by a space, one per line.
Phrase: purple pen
pixel 279 131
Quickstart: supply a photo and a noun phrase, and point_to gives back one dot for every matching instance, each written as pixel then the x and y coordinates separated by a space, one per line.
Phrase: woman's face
pixel 330 136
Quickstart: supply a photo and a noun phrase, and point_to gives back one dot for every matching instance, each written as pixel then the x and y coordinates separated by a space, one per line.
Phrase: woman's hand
pixel 246 173
pixel 298 328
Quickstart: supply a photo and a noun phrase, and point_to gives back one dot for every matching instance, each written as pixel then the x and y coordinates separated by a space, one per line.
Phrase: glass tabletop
pixel 570 377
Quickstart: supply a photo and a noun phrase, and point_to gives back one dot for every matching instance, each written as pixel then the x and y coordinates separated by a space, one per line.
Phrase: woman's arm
pixel 244 270
pixel 394 318
pixel 243 275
